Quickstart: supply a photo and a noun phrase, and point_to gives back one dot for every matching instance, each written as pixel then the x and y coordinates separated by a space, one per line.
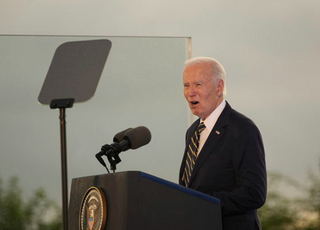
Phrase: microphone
pixel 124 140
pixel 117 138
pixel 132 139
pixel 138 137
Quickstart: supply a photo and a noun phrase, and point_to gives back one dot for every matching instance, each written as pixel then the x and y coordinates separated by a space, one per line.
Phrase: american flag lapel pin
pixel 218 132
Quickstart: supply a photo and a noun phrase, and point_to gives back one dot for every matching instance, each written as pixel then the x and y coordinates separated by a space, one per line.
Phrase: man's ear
pixel 220 88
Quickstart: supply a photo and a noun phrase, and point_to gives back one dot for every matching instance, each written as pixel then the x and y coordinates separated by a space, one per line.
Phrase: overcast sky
pixel 270 50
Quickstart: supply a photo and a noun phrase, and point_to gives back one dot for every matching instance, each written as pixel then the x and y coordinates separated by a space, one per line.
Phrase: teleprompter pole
pixel 64 170
pixel 62 104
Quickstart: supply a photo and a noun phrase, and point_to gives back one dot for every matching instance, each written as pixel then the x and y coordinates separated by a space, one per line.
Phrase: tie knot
pixel 201 127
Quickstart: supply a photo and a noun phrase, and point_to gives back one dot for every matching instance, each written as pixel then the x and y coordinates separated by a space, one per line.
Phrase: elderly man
pixel 224 155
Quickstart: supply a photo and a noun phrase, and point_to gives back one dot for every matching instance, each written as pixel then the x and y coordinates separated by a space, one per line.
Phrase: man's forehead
pixel 200 74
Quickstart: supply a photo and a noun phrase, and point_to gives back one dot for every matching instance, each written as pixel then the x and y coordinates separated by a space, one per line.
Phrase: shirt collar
pixel 211 120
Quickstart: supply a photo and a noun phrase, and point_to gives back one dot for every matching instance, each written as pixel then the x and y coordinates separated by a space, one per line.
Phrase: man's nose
pixel 191 91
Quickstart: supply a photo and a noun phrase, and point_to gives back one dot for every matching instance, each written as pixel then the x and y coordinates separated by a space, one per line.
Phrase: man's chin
pixel 195 112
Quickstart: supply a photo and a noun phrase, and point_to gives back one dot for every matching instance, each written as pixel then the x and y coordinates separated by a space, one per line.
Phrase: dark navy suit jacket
pixel 231 167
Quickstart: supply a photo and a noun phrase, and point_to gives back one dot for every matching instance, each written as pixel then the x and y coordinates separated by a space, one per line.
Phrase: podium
pixel 139 201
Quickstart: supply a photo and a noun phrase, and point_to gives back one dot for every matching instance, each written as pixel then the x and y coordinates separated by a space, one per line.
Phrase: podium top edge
pixel 180 188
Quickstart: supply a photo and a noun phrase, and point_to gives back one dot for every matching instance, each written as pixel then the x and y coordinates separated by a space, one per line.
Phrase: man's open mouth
pixel 194 102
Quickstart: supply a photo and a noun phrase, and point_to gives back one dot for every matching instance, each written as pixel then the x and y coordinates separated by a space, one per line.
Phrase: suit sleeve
pixel 249 166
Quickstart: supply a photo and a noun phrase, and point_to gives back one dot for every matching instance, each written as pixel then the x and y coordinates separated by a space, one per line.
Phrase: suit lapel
pixel 216 134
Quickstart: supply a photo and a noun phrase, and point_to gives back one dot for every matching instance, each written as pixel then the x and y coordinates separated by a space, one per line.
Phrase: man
pixel 229 162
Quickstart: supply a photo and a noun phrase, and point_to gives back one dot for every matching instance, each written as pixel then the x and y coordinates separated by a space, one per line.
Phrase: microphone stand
pixel 112 155
pixel 113 159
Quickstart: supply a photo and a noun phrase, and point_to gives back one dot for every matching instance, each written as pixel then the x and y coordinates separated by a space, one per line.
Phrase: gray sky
pixel 270 50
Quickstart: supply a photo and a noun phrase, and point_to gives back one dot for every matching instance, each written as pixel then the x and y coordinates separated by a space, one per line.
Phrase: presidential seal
pixel 93 212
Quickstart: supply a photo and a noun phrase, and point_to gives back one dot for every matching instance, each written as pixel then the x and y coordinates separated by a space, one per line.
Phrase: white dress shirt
pixel 209 123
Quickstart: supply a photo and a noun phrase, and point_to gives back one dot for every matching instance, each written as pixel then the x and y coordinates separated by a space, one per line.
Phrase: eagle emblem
pixel 93 210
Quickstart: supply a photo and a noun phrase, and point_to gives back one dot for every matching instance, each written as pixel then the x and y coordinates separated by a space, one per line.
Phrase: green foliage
pixel 278 213
pixel 313 199
pixel 291 213
pixel 19 214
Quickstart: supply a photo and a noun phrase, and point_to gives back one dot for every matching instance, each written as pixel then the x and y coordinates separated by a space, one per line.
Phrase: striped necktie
pixel 192 153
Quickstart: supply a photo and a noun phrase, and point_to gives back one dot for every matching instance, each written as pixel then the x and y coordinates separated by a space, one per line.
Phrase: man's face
pixel 202 94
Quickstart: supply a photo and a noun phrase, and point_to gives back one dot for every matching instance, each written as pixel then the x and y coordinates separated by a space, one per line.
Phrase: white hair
pixel 216 70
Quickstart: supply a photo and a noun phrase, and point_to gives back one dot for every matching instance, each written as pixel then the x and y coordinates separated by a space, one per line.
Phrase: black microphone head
pixel 120 136
pixel 138 137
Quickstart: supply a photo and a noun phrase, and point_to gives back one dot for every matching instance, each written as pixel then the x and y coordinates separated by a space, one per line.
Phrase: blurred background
pixel 271 53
